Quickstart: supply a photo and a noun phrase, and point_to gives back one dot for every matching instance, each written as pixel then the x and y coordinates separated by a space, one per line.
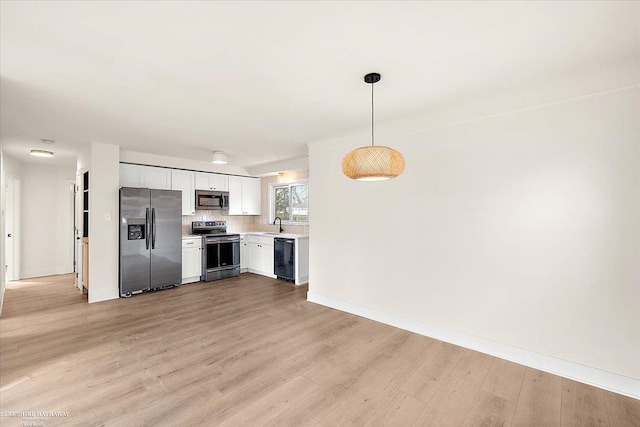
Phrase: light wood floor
pixel 251 351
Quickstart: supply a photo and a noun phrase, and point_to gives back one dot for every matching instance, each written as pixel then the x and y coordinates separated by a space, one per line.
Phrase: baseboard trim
pixel 585 374
pixel 262 273
pixel 33 274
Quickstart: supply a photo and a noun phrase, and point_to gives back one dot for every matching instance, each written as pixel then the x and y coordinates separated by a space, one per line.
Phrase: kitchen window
pixel 290 202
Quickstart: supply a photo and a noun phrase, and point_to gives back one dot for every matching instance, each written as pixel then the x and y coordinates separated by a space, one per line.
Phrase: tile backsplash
pixel 245 224
pixel 235 223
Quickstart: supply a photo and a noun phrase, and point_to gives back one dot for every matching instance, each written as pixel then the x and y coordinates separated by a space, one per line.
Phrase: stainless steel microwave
pixel 212 200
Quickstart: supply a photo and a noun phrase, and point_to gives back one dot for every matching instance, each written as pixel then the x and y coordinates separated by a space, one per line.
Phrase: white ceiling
pixel 260 80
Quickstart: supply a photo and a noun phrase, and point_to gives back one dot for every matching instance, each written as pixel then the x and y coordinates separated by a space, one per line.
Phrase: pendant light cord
pixel 372 143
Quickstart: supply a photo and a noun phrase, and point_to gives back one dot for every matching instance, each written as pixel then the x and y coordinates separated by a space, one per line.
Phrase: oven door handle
pixel 146 224
pixel 153 228
pixel 222 240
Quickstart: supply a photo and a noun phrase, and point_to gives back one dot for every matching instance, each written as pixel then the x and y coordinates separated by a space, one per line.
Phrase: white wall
pixel 12 167
pixel 172 162
pixel 521 229
pixel 103 220
pixel 299 164
pixel 45 222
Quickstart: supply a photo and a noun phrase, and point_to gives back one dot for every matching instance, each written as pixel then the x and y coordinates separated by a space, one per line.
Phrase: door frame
pixel 78 228
pixel 69 227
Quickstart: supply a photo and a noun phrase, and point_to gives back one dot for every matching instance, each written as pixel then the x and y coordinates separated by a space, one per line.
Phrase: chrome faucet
pixel 274 223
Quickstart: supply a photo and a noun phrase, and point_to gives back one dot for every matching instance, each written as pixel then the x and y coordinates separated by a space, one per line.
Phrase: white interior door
pixel 8 257
pixel 12 229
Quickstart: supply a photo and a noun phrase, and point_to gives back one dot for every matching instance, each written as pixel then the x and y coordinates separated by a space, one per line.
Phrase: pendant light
pixel 372 162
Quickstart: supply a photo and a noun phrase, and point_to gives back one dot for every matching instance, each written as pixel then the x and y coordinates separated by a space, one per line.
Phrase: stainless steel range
pixel 221 251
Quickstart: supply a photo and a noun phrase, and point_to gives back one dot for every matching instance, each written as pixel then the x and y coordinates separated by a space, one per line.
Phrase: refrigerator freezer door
pixel 166 238
pixel 135 255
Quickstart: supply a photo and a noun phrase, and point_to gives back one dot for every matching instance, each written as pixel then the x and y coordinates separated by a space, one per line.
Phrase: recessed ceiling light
pixel 219 158
pixel 47 141
pixel 41 153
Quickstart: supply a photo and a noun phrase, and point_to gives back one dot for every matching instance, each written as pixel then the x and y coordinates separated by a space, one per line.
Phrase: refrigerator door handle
pixel 146 223
pixel 153 228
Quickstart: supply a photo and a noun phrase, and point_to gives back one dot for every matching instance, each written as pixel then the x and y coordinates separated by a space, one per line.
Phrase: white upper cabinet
pixel 157 178
pixel 235 195
pixel 185 181
pixel 244 196
pixel 130 175
pixel 212 181
pixel 251 196
pixel 145 177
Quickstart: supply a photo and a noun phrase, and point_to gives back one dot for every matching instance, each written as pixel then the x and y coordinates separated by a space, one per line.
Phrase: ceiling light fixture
pixel 41 153
pixel 372 162
pixel 219 158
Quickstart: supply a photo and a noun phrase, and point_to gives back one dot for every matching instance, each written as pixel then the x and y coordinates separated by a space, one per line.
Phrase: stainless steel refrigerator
pixel 150 239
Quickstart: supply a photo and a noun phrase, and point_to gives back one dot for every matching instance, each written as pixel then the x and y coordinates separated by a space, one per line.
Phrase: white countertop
pixel 191 236
pixel 270 234
pixel 257 233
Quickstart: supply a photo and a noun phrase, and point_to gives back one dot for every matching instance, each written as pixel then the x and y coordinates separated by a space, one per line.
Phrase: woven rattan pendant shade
pixel 373 163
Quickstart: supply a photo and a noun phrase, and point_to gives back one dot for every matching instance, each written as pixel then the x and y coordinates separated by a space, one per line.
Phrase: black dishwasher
pixel 284 258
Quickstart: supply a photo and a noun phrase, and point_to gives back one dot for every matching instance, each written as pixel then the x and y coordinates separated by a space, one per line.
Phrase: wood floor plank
pixel 583 405
pixel 252 351
pixel 269 407
pixel 427 380
pixel 368 390
pixel 623 411
pixel 539 402
pixel 504 380
pixel 398 410
pixel 316 406
pixel 450 406
pixel 354 410
pixel 473 364
pixel 329 373
pixel 489 410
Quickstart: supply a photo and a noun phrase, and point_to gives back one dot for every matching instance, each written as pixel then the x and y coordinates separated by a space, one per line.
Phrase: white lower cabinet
pixel 260 255
pixel 191 259
pixel 244 254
